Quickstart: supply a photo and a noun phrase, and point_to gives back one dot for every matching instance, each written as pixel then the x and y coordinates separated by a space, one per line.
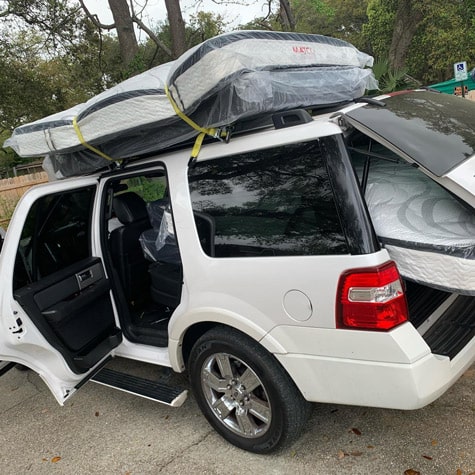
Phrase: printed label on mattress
pixel 303 50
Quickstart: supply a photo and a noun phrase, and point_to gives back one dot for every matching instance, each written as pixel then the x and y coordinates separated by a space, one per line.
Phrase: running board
pixel 146 388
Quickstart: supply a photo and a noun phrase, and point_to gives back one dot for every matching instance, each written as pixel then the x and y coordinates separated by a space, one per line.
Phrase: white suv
pixel 267 268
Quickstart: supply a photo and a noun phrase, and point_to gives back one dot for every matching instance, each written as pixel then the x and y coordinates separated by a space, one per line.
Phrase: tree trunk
pixel 125 30
pixel 286 16
pixel 177 27
pixel 408 18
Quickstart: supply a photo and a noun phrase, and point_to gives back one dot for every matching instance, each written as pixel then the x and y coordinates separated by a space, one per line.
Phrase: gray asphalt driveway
pixel 105 431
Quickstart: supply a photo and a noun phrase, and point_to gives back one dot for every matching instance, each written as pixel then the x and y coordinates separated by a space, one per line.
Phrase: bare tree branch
pixel 152 35
pixel 135 18
pixel 265 26
pixel 142 8
pixel 229 2
pixel 131 6
pixel 95 18
pixel 269 9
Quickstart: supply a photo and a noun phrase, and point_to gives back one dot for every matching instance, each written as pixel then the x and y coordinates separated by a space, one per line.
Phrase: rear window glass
pixel 270 202
pixel 435 130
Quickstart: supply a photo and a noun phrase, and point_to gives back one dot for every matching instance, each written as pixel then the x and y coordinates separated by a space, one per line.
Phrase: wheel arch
pixel 182 338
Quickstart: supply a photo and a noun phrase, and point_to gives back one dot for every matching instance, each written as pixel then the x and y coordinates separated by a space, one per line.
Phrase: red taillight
pixel 371 298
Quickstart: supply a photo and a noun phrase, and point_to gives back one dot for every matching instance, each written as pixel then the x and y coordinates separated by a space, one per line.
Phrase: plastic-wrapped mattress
pixel 426 230
pixel 246 73
pixel 225 79
pixel 131 107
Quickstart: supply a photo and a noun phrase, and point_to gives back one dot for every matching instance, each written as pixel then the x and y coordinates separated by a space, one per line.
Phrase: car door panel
pixel 73 311
pixel 58 313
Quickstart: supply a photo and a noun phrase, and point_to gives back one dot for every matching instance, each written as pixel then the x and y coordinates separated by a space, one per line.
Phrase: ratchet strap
pixel 203 131
pixel 83 142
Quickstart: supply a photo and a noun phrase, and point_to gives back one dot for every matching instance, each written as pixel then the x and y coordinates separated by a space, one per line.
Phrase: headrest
pixel 129 207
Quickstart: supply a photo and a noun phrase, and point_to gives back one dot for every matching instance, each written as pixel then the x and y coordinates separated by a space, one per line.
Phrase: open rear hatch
pixel 404 151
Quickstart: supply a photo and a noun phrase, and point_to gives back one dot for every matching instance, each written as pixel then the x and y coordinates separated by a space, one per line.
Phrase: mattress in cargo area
pixel 426 230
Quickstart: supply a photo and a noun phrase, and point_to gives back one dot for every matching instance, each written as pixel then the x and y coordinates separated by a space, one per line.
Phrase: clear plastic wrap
pixel 81 162
pixel 410 209
pixel 251 72
pixel 426 230
pixel 132 105
pixel 226 79
pixel 159 243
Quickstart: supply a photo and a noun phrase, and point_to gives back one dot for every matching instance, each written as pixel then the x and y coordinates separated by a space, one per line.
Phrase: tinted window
pixel 56 235
pixel 270 202
pixel 435 130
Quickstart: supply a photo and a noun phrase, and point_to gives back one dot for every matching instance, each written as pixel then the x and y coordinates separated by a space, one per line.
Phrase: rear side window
pixel 272 202
pixel 55 235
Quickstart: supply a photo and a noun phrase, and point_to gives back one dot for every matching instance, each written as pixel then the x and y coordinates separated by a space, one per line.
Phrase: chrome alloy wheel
pixel 236 395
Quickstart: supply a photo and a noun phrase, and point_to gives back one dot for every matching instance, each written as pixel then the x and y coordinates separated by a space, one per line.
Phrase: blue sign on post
pixel 460 71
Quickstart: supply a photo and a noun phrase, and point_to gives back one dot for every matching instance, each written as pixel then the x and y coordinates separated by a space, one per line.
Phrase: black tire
pixel 260 418
pixel 21 367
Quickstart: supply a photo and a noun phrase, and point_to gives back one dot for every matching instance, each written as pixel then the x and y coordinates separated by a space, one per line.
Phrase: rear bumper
pixel 398 384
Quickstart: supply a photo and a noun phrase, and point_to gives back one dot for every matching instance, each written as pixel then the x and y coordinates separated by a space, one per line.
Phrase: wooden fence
pixel 11 190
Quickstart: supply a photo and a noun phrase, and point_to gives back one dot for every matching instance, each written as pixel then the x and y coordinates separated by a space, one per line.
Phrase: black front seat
pixel 127 254
pixel 166 272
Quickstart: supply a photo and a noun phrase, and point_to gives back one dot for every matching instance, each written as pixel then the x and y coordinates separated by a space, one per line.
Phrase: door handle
pixel 84 277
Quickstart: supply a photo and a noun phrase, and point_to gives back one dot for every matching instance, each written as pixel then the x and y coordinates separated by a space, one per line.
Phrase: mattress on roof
pixel 223 80
pixel 426 230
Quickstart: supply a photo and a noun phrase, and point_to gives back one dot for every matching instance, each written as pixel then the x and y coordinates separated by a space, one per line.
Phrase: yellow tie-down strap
pixel 203 132
pixel 83 142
